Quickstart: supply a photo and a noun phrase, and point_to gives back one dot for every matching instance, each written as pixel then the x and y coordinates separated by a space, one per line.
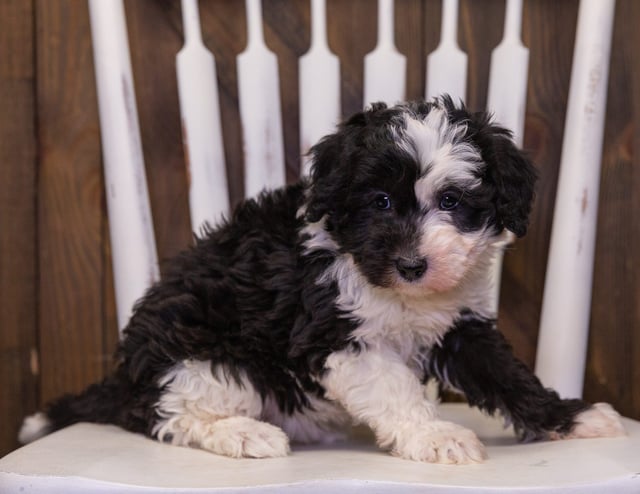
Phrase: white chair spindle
pixel 385 67
pixel 260 109
pixel 447 64
pixel 319 86
pixel 133 246
pixel 564 324
pixel 201 126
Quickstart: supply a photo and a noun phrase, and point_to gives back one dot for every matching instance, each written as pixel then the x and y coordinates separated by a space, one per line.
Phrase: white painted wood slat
pixel 566 308
pixel 133 248
pixel 319 86
pixel 385 67
pixel 447 64
pixel 260 109
pixel 201 126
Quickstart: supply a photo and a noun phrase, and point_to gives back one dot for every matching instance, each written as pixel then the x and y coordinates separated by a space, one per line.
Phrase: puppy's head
pixel 417 193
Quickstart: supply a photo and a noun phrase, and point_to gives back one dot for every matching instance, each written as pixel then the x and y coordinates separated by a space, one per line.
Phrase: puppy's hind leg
pixel 237 437
pixel 209 409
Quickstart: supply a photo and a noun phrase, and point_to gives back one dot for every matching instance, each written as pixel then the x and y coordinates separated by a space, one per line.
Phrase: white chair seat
pixel 97 458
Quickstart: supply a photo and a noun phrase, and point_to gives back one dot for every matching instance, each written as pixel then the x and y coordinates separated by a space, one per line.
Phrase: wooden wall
pixel 57 315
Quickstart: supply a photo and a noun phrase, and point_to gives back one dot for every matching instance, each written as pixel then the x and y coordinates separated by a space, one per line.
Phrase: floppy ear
pixel 331 168
pixel 509 170
pixel 514 177
pixel 326 156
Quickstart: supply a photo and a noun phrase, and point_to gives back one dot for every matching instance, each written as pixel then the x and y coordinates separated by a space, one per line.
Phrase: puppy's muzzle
pixel 411 269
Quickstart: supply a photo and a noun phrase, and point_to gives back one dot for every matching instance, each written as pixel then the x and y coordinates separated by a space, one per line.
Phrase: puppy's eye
pixel 449 200
pixel 382 202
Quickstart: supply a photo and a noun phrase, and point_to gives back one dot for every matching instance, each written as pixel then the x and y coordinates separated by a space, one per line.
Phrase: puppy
pixel 334 300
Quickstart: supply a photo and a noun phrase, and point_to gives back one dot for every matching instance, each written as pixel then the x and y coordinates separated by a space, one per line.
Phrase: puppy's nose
pixel 411 269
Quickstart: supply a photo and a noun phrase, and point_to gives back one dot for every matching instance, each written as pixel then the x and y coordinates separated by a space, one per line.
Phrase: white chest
pixel 408 325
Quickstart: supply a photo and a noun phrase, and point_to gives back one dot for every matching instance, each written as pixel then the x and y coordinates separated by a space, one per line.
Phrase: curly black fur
pixel 478 361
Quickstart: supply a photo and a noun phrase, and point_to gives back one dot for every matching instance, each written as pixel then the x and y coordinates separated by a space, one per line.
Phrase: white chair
pixel 98 458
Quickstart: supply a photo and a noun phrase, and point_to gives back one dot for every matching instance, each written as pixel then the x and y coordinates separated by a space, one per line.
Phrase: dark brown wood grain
pixel 18 255
pixel 154 43
pixel 478 35
pixel 70 201
pixel 410 41
pixel 56 287
pixel 225 34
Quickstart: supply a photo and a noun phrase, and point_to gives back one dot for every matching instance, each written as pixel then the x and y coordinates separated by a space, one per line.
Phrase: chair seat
pixel 99 458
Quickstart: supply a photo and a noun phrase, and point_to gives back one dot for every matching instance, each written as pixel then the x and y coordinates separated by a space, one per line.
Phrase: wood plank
pixel 71 197
pixel 286 32
pixel 155 37
pixel 18 268
pixel 352 32
pixel 632 65
pixel 154 43
pixel 480 32
pixel 224 32
pixel 409 38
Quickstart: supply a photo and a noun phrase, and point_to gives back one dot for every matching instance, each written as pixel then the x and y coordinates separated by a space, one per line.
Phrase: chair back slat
pixel 201 125
pixel 260 109
pixel 447 64
pixel 133 247
pixel 564 324
pixel 385 67
pixel 319 86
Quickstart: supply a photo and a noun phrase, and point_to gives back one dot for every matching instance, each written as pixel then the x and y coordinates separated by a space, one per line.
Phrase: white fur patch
pixel 194 388
pixel 431 137
pixel 600 420
pixel 377 388
pixel 319 237
pixel 443 156
pixel 209 409
pixel 453 256
pixel 34 427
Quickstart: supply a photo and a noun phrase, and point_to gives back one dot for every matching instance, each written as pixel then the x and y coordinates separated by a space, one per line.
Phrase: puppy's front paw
pixel 244 437
pixel 442 442
pixel 600 420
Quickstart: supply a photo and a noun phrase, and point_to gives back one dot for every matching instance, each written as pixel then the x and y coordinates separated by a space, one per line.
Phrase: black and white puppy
pixel 334 300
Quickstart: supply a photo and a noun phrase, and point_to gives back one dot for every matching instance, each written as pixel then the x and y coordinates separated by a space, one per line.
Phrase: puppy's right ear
pixel 332 165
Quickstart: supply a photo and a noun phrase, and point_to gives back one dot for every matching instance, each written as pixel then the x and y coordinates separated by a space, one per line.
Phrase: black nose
pixel 411 269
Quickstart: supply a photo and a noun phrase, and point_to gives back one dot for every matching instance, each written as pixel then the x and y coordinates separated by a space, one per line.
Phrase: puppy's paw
pixel 244 437
pixel 600 420
pixel 442 442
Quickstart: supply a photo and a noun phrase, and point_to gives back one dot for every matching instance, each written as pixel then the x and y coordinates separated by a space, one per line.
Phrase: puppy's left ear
pixel 332 163
pixel 326 157
pixel 514 177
